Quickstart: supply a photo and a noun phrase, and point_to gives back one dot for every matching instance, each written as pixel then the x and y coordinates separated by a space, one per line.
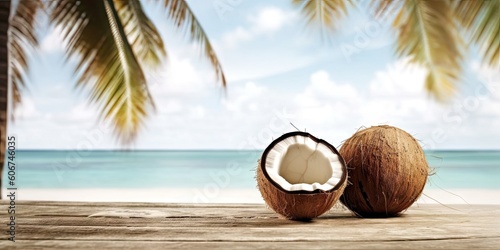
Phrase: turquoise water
pixel 464 169
pixel 228 169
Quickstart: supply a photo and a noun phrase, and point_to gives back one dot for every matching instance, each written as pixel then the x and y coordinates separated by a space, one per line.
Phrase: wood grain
pixel 82 225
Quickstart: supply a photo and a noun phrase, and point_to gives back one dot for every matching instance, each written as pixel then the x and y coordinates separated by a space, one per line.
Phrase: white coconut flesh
pixel 298 163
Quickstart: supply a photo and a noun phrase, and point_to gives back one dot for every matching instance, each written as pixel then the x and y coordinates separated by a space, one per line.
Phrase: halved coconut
pixel 301 176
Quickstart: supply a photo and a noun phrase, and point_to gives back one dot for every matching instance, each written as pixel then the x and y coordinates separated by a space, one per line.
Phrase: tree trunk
pixel 4 80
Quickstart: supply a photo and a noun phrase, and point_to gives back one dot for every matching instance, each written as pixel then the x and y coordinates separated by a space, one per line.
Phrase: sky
pixel 279 71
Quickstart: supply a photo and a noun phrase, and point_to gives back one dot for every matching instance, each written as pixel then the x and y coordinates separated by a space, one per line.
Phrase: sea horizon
pixel 215 176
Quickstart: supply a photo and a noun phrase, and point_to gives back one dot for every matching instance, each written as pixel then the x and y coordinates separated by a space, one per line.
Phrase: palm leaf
pixel 324 13
pixel 180 12
pixel 427 34
pixel 141 33
pixel 109 68
pixel 22 41
pixel 482 19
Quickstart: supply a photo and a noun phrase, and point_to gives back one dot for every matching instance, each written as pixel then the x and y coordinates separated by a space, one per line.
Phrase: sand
pixel 193 195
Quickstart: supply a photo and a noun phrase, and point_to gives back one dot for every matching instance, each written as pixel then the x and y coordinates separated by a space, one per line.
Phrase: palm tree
pixel 427 32
pixel 4 72
pixel 113 40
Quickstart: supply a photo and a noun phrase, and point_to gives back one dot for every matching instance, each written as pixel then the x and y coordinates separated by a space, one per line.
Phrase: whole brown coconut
pixel 387 171
pixel 300 176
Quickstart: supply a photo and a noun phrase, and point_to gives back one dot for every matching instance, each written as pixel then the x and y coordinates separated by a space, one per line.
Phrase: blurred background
pixel 283 62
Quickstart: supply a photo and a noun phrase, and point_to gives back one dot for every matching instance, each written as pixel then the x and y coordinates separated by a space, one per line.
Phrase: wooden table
pixel 41 224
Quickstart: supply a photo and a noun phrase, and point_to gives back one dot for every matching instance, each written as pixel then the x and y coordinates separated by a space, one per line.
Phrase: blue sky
pixel 278 71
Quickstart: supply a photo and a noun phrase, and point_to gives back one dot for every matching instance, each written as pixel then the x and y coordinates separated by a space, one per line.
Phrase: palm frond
pixel 324 13
pixel 22 41
pixel 482 19
pixel 427 33
pixel 109 68
pixel 141 33
pixel 385 7
pixel 180 12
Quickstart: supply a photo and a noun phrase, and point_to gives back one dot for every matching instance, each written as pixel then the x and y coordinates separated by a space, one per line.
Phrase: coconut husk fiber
pixel 387 171
pixel 296 206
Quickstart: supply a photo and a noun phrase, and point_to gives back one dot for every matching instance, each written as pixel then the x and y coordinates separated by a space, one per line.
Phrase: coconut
pixel 301 176
pixel 387 171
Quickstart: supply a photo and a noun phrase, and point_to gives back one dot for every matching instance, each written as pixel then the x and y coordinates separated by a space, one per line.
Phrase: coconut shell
pixel 387 171
pixel 298 205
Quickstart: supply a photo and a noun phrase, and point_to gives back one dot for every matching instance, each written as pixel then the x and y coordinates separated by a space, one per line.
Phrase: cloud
pixel 71 125
pixel 394 96
pixel 53 41
pixel 192 112
pixel 397 93
pixel 324 100
pixel 326 107
pixel 487 92
pixel 245 98
pixel 266 44
pixel 197 112
pixel 401 78
pixel 180 89
pixel 489 76
pixel 171 106
pixel 27 109
pixel 322 87
pixel 82 112
pixel 178 77
pixel 233 38
pixel 267 21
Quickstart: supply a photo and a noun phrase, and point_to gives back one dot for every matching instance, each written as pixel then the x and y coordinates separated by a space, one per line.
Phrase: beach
pixel 220 176
pixel 198 195
pixel 223 176
pixel 208 199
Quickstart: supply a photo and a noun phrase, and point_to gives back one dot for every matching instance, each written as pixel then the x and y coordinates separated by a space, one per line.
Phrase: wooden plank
pixel 258 234
pixel 170 210
pixel 419 244
pixel 135 204
pixel 159 225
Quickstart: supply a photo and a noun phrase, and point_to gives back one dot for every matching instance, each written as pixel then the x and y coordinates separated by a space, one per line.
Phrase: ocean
pixel 211 171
